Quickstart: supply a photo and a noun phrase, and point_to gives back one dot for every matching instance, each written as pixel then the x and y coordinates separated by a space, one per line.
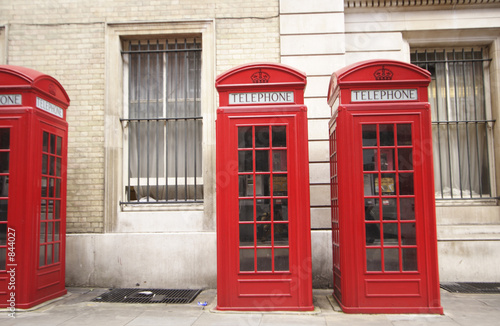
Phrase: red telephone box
pixel 263 223
pixel 33 144
pixel 382 189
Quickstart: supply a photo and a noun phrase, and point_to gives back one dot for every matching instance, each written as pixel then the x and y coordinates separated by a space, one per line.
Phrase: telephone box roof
pixel 376 72
pixel 26 78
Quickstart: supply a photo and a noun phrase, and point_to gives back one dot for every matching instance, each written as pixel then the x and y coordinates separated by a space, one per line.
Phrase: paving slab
pixel 76 308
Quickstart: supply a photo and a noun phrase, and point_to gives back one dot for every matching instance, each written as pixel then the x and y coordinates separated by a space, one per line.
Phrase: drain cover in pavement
pixel 471 287
pixel 148 296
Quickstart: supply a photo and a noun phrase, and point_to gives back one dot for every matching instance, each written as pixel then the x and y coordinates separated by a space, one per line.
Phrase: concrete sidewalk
pixel 75 309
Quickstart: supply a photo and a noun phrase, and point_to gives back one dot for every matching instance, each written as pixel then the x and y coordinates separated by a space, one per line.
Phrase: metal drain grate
pixel 471 287
pixel 148 296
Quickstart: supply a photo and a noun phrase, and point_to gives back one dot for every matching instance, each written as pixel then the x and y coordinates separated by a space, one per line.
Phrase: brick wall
pixel 66 39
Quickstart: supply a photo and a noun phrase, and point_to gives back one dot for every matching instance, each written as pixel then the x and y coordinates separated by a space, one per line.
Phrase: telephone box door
pixel 51 212
pixel 264 246
pixel 263 226
pixel 392 220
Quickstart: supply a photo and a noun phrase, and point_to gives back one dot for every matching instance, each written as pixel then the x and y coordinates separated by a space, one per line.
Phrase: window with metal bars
pixel 461 121
pixel 162 121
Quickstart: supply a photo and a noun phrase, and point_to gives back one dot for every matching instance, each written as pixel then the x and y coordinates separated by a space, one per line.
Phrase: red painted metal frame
pixel 263 290
pixel 355 288
pixel 26 282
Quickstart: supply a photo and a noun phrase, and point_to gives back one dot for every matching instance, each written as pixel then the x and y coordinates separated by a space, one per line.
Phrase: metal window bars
pixel 462 124
pixel 163 122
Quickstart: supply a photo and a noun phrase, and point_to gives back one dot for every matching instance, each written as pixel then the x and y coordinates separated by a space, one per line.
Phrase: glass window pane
pixel 3 234
pixel 49 254
pixel 386 134
pixel 246 234
pixel 56 252
pixel 408 234
pixel 389 209
pixel 52 160
pixel 3 257
pixel 4 185
pixel 45 142
pixel 279 160
pixel 279 136
pixel 406 183
pixel 261 136
pixel 281 234
pixel 281 260
pixel 51 187
pixel 42 256
pixel 52 144
pixel 370 184
pixel 58 166
pixel 280 185
pixel 263 209
pixel 59 146
pixel 4 138
pixel 245 185
pixel 246 210
pixel 57 231
pixel 387 185
pixel 244 137
pixel 262 161
pixel 43 209
pixel 245 161
pixel 58 188
pixel 50 233
pixel 391 234
pixel 280 209
pixel 371 209
pixel 409 259
pixel 44 187
pixel 370 159
pixel 50 210
pixel 372 234
pixel 387 159
pixel 264 234
pixel 407 208
pixel 264 260
pixel 43 232
pixel 404 134
pixel 262 185
pixel 4 162
pixel 4 205
pixel 373 260
pixel 45 158
pixel 247 260
pixel 405 159
pixel 57 211
pixel 369 135
pixel 391 259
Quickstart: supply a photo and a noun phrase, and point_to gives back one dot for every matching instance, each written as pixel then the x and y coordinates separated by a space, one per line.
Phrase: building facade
pixel 141 155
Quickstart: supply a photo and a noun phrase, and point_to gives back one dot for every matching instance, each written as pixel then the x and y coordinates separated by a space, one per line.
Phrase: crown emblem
pixel 383 74
pixel 260 77
pixel 52 89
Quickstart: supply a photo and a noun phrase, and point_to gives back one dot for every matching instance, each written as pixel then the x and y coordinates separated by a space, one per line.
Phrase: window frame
pixel 127 217
pixel 488 119
pixel 167 181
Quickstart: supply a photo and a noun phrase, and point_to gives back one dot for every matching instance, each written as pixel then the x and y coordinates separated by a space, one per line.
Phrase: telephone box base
pixel 391 310
pixel 28 305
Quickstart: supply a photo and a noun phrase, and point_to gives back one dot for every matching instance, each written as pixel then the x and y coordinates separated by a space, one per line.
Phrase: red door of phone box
pixel 382 189
pixel 33 155
pixel 263 219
